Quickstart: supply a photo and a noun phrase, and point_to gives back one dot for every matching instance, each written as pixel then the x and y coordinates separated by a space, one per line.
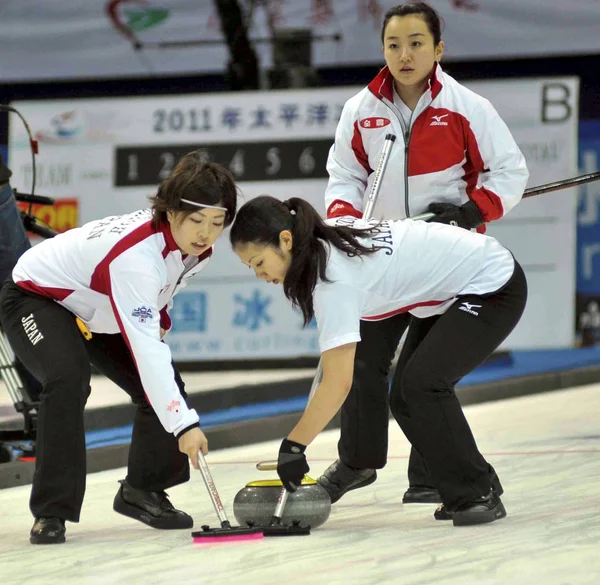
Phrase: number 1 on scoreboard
pixel 132 167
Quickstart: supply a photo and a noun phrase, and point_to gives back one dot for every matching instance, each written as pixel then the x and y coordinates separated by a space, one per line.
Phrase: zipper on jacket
pixel 407 132
pixel 179 279
pixel 184 272
pixel 406 141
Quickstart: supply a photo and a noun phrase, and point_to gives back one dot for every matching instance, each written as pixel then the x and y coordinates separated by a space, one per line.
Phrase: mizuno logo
pixel 468 308
pixel 437 120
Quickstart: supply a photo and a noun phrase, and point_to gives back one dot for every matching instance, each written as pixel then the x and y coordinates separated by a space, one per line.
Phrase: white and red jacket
pixel 119 275
pixel 420 268
pixel 455 147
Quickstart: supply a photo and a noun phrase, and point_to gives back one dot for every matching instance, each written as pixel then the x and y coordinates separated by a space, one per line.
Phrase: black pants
pixel 365 412
pixel 436 355
pixel 61 362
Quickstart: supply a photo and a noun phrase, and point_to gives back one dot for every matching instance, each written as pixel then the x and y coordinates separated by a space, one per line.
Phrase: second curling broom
pixel 226 532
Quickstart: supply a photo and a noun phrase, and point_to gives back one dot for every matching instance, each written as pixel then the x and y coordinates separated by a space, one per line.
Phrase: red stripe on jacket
pixel 402 310
pixel 341 208
pixel 488 203
pixel 359 149
pixel 56 294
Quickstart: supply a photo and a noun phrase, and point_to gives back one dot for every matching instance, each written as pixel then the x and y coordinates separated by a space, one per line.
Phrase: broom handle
pixel 540 189
pixel 212 491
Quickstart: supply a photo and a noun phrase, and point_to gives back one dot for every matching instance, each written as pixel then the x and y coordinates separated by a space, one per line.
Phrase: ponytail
pixel 262 219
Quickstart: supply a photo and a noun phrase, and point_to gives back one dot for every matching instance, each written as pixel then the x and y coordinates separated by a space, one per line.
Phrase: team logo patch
pixel 174 406
pixel 439 120
pixel 374 122
pixel 143 314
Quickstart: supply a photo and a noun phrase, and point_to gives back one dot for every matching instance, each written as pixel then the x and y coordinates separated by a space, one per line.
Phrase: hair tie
pixel 289 206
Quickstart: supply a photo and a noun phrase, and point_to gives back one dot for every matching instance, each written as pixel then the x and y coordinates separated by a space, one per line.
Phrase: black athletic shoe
pixel 340 478
pixel 151 508
pixel 418 494
pixel 480 511
pixel 48 531
pixel 443 513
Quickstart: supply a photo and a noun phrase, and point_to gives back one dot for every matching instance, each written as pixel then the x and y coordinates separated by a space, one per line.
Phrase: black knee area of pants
pixel 369 363
pixel 367 378
pixel 68 387
pixel 417 386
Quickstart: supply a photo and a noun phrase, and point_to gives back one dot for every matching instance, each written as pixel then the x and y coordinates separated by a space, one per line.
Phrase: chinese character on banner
pixel 289 114
pixel 231 117
pixel 189 312
pixel 260 118
pixel 252 311
pixel 322 12
pixel 370 9
pixel 587 298
pixel 317 114
pixel 468 5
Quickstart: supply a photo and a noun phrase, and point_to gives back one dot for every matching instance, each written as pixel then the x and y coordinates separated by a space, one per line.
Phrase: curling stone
pixel 309 504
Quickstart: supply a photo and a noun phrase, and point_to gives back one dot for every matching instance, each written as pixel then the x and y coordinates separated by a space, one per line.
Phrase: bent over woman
pixel 114 280
pixel 470 288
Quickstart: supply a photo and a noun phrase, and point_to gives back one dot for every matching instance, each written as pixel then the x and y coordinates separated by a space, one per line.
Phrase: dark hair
pixel 429 14
pixel 197 179
pixel 262 219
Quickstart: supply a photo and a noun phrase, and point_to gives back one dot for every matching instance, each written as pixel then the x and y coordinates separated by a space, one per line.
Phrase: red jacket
pixel 456 148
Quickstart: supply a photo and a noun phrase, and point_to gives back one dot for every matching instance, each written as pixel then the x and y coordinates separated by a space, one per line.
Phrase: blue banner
pixel 588 238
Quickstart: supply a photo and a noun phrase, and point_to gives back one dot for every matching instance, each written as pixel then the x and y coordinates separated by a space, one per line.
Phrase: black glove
pixel 465 216
pixel 291 464
pixel 4 172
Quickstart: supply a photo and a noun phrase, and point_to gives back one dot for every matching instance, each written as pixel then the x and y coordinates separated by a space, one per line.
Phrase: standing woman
pixel 470 289
pixel 455 157
pixel 113 280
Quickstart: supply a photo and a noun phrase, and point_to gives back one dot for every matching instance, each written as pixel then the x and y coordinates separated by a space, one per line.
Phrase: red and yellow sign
pixel 60 217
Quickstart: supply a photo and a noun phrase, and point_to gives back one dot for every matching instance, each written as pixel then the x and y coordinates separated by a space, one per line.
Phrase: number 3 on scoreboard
pixel 236 165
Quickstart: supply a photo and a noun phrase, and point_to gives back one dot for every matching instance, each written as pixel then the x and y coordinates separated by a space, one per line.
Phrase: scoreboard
pixel 275 160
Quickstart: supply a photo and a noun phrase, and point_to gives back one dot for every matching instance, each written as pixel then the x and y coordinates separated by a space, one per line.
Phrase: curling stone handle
pixel 212 491
pixel 266 465
pixel 281 502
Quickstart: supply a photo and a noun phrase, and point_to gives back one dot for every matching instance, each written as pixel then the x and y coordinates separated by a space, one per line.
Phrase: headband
pixel 203 205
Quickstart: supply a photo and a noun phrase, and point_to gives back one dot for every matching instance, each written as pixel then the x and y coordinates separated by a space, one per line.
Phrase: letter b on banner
pixel 556 103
